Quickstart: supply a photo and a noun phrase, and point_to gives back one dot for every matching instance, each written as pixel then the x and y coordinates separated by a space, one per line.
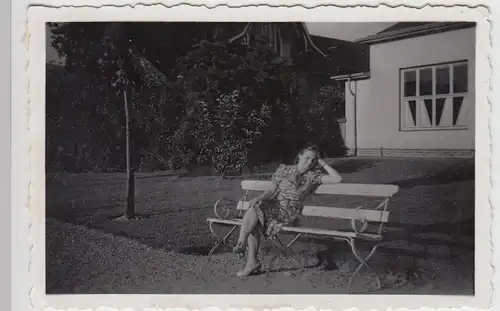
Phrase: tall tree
pixel 110 54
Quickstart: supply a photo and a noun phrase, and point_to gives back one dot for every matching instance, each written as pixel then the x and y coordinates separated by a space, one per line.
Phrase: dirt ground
pixel 431 226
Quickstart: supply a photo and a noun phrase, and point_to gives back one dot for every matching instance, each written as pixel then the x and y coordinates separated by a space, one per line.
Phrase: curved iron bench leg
pixel 287 252
pixel 212 250
pixel 363 263
pixel 270 265
pixel 217 244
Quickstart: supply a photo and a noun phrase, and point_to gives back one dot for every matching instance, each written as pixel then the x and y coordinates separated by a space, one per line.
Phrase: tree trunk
pixel 130 208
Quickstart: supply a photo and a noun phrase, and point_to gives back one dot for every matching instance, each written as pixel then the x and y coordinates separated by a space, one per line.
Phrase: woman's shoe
pixel 239 249
pixel 247 272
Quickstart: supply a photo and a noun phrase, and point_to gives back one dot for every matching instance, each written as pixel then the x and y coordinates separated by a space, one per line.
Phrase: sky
pixel 342 31
pixel 346 31
pixel 51 52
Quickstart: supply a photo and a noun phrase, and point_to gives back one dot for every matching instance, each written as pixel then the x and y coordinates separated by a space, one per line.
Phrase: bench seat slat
pixel 345 213
pixel 305 230
pixel 385 191
pixel 225 221
pixel 336 212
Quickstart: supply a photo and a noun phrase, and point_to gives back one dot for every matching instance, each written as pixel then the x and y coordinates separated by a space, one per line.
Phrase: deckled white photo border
pixel 35 131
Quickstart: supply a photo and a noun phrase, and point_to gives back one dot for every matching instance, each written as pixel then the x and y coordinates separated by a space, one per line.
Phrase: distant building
pixel 318 57
pixel 418 96
pixel 293 41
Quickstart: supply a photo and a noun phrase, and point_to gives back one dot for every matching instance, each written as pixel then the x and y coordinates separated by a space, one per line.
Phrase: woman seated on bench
pixel 282 204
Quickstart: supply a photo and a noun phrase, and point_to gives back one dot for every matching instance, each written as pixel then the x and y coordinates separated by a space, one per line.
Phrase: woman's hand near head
pixel 333 176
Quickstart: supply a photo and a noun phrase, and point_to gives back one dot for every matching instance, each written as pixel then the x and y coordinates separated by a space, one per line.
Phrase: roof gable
pixel 325 43
pixel 401 26
pixel 343 57
pixel 402 31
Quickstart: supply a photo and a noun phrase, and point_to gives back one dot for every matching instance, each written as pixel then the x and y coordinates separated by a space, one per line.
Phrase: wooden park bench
pixel 359 217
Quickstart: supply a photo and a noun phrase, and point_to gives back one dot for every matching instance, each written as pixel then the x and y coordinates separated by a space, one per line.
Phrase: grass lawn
pixel 171 240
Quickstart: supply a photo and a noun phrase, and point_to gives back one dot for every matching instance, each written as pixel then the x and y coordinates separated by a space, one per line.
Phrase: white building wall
pixel 362 90
pixel 378 99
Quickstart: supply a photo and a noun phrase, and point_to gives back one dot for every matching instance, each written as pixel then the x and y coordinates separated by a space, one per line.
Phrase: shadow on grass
pixel 278 269
pixel 464 227
pixel 201 250
pixel 416 235
pixel 65 213
pixel 163 212
pixel 153 243
pixel 455 173
pixel 354 165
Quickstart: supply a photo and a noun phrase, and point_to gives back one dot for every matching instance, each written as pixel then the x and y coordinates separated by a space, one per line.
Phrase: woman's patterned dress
pixel 287 202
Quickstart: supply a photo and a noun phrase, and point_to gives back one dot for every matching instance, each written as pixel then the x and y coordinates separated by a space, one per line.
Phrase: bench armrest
pixel 364 223
pixel 224 208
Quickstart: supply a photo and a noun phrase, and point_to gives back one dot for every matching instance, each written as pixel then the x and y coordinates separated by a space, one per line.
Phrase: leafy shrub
pixel 229 92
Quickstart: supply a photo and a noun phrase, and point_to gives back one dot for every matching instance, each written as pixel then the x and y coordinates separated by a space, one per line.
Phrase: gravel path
pixel 83 260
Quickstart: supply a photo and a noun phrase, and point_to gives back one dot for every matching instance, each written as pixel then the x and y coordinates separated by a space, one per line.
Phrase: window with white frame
pixel 434 97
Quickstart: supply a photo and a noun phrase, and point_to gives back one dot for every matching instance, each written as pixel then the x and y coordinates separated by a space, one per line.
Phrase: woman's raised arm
pixel 333 176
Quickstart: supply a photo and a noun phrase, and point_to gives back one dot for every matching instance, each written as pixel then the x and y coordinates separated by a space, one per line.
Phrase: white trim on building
pixel 419 96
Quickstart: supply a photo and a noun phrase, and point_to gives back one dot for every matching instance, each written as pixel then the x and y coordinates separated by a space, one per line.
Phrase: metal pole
pixel 130 208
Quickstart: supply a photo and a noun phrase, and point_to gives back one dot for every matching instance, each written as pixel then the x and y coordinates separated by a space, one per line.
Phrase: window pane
pixel 440 102
pixel 443 80
pixel 457 107
pixel 425 113
pixel 410 83
pixel 428 107
pixel 460 78
pixel 425 82
pixel 411 113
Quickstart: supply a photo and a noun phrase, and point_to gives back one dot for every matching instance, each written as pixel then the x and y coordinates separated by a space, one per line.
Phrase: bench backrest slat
pixel 370 190
pixel 337 212
pixel 345 213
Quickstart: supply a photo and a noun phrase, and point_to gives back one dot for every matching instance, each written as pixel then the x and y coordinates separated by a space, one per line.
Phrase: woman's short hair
pixel 310 147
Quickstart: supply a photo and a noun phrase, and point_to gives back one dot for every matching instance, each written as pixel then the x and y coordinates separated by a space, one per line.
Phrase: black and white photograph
pixel 266 157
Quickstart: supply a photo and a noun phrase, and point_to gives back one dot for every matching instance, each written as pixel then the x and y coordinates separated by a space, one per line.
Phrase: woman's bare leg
pixel 252 264
pixel 253 248
pixel 248 224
